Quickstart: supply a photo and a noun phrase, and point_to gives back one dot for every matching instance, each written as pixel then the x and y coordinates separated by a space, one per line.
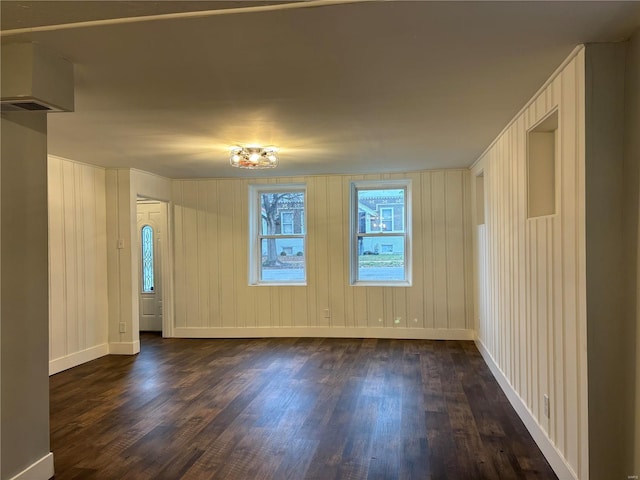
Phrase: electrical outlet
pixel 327 313
pixel 120 243
pixel 546 406
pixel 123 327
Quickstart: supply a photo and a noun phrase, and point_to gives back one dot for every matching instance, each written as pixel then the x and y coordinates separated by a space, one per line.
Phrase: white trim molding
pixel 328 332
pixel 57 365
pixel 40 470
pixel 558 463
pixel 124 348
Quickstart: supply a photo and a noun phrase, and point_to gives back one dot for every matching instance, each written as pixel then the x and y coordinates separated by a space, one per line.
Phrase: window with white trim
pixel 286 220
pixel 381 232
pixel 386 219
pixel 277 236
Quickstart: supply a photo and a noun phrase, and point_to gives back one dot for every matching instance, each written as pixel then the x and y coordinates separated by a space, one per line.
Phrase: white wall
pixel 120 272
pixel 92 284
pixel 212 296
pixel 123 186
pixel 77 264
pixel 611 246
pixel 24 418
pixel 531 288
pixel 632 153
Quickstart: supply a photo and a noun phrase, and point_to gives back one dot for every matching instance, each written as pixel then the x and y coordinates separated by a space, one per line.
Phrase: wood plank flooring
pixel 294 408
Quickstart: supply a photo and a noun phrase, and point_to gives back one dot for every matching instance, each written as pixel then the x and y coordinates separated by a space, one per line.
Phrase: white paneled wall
pixel 212 296
pixel 77 264
pixel 531 301
pixel 123 188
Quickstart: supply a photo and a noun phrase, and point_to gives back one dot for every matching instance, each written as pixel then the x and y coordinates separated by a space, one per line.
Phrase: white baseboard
pixel 40 470
pixel 124 348
pixel 558 463
pixel 72 360
pixel 329 332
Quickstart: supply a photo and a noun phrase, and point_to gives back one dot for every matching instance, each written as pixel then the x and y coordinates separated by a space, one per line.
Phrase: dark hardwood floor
pixel 294 408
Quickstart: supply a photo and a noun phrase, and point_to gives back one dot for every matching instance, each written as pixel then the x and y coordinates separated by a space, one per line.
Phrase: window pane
pixel 282 259
pixel 380 210
pixel 286 220
pixel 147 259
pixel 282 213
pixel 386 219
pixel 381 258
pixel 398 219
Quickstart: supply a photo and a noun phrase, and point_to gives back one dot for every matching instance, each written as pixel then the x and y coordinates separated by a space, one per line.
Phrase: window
pixel 381 233
pixel 286 220
pixel 277 236
pixel 386 219
pixel 147 259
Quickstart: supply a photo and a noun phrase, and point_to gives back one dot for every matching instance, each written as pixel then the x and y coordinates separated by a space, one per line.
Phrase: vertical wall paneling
pixel 72 286
pixel 415 301
pixel 77 263
pixel 123 188
pixel 179 256
pixel 57 270
pixel 336 251
pixel 213 298
pixel 203 287
pixel 428 270
pixel 321 254
pixel 456 227
pixel 440 244
pixel 530 273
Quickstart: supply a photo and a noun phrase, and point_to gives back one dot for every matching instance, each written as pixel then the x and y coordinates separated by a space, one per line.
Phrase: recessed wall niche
pixel 541 167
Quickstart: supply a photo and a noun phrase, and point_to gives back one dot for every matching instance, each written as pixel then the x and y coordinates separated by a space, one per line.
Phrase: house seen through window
pixel 380 250
pixel 278 236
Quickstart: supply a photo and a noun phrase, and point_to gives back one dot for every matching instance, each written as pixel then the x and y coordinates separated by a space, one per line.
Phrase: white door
pixel 150 269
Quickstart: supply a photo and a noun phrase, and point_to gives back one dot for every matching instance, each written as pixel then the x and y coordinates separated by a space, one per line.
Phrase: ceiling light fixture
pixel 253 157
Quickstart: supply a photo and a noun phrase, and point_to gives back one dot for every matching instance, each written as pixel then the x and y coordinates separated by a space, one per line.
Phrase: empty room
pixel 322 239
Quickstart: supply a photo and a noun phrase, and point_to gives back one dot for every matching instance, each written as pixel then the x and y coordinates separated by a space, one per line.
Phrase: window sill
pixel 381 284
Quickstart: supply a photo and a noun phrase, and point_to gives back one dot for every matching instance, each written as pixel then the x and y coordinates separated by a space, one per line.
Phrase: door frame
pixel 166 266
pixel 157 258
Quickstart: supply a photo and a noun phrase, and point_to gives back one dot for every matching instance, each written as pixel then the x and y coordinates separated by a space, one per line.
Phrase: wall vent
pixel 26 105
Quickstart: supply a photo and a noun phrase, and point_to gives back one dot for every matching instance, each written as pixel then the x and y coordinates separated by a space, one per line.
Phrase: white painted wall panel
pixel 77 263
pixel 530 279
pixel 211 252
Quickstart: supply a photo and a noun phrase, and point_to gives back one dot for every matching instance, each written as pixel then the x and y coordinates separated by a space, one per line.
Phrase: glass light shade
pixel 254 157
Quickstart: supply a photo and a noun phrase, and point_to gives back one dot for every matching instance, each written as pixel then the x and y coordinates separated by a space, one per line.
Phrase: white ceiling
pixel 341 88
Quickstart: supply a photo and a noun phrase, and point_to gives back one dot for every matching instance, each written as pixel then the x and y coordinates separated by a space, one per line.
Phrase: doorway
pixel 151 232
